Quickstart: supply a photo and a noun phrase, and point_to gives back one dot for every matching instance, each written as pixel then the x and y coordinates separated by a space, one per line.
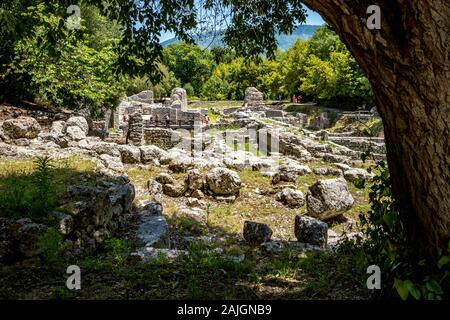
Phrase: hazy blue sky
pixel 313 18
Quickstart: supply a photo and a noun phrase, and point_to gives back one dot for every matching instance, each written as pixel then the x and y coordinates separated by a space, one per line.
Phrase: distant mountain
pixel 285 41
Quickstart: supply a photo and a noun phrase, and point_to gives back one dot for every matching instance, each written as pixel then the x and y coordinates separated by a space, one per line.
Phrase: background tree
pixel 189 63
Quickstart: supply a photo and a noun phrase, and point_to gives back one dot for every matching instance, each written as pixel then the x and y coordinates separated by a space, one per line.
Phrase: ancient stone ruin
pixel 253 97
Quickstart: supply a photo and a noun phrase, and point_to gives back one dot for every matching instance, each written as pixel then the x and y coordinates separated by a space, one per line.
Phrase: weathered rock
pixel 152 208
pixel 75 133
pixel 327 171
pixel 335 158
pixel 110 149
pixel 97 212
pixel 113 163
pixel 7 150
pixel 178 98
pixel 328 198
pixel 197 194
pixel 130 154
pixel 164 178
pixel 181 164
pixel 63 222
pixel 256 233
pixel 291 198
pixel 311 231
pixel 154 187
pixel 174 190
pixel 153 231
pixel 253 97
pixel 57 127
pixel 223 181
pixel 21 127
pixel 150 154
pixel 195 203
pixel 289 172
pixel 79 122
pixel 194 180
pixel 27 238
pixel 358 176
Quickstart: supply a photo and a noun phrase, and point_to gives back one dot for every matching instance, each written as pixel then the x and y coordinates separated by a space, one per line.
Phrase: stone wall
pixel 135 128
pixel 161 137
pixel 188 117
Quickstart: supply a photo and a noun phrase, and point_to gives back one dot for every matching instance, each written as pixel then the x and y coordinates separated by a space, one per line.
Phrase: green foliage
pixel 52 246
pixel 24 194
pixel 118 250
pixel 216 89
pixel 188 226
pixel 190 64
pixel 14 198
pixel 385 244
pixel 78 71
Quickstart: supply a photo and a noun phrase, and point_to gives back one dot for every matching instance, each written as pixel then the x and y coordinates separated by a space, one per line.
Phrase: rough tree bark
pixel 408 65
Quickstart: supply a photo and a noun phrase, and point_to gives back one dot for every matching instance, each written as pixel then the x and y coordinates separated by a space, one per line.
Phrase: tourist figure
pixel 167 120
pixel 300 97
pixel 294 99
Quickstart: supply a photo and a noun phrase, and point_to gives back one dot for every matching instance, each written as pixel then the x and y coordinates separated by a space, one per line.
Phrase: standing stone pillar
pixel 135 129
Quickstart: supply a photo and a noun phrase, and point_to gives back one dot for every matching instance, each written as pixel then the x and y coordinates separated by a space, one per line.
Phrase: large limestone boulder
pixel 256 233
pixel 21 127
pixel 174 190
pixel 57 127
pixel 164 178
pixel 75 133
pixel 129 154
pixel 152 154
pixel 108 148
pixel 289 172
pixel 153 230
pixel 78 121
pixel 194 180
pixel 328 198
pixel 311 231
pixel 358 176
pixel 291 198
pixel 253 97
pixel 223 181
pixel 112 163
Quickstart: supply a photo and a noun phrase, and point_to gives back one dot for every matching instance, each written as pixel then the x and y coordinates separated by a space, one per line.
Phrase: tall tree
pixel 408 64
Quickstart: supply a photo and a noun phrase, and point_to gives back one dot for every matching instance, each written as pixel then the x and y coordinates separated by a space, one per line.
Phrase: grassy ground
pixel 113 274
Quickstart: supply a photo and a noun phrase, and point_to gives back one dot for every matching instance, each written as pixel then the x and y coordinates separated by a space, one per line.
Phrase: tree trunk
pixel 408 64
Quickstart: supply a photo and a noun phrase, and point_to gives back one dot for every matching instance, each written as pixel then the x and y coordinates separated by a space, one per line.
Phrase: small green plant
pixel 52 246
pixel 118 250
pixel 188 226
pixel 42 180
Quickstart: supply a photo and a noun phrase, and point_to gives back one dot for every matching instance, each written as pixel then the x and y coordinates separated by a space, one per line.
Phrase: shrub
pixel 118 250
pixel 52 246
